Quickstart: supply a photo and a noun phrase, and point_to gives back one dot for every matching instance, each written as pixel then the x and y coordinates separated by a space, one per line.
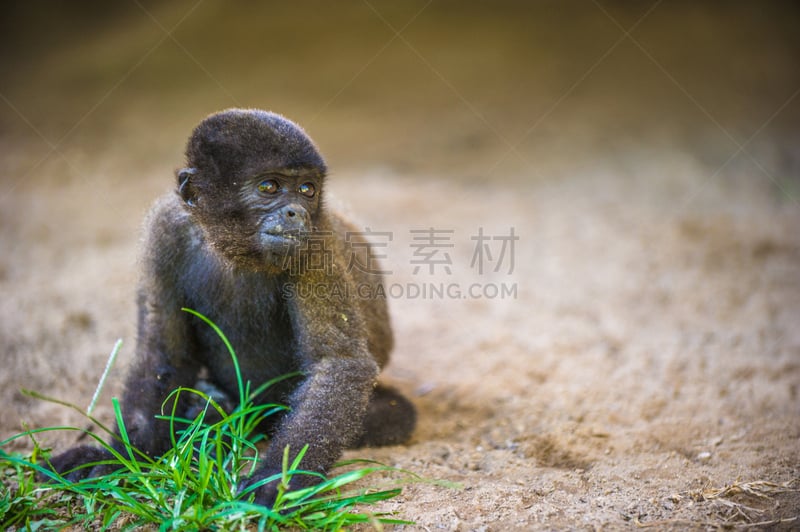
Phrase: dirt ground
pixel 635 361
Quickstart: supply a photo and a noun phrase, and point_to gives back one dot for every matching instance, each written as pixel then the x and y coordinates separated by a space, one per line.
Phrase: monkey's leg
pixel 148 395
pixel 145 392
pixel 80 462
pixel 390 419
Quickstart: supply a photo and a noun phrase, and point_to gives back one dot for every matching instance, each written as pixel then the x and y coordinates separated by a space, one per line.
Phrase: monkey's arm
pixel 328 408
pixel 164 343
pixel 162 364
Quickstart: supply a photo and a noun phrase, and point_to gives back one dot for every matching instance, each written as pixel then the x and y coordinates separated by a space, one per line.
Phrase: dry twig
pixel 737 513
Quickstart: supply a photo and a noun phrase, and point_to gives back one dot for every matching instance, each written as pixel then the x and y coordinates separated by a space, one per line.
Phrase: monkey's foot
pixel 84 461
pixel 390 419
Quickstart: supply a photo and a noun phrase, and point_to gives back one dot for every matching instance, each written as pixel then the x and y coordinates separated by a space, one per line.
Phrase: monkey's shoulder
pixel 171 239
pixel 341 223
pixel 357 247
pixel 167 219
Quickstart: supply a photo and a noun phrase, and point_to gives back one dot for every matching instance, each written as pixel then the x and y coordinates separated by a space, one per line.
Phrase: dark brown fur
pixel 238 255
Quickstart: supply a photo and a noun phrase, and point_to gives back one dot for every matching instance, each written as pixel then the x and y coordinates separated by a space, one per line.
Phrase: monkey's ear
pixel 186 188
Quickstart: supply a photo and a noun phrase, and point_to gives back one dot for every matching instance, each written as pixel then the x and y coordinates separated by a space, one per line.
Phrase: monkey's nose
pixel 295 216
pixel 287 219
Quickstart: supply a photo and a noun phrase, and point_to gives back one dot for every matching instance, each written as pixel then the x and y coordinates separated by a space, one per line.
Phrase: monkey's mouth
pixel 280 238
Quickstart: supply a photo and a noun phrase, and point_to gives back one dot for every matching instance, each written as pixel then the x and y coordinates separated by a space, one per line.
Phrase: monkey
pixel 235 242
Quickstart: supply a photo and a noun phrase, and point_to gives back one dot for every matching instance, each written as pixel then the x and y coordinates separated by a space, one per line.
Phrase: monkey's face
pixel 260 222
pixel 284 208
pixel 254 187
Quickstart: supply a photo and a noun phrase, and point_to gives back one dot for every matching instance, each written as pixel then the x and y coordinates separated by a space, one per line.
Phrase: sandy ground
pixel 647 352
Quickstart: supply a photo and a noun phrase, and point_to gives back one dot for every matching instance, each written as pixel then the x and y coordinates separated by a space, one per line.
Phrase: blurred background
pixel 647 155
pixel 467 89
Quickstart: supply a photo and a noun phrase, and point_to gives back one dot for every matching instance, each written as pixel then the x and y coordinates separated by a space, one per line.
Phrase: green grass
pixel 194 486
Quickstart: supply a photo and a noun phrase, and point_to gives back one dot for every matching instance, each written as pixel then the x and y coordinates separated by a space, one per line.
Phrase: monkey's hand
pixel 267 493
pixel 84 461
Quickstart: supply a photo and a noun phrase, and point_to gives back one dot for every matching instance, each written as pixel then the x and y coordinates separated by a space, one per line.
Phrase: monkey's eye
pixel 268 186
pixel 307 190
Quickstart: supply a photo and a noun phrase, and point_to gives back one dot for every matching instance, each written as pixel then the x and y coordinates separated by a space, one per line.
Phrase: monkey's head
pixel 253 184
